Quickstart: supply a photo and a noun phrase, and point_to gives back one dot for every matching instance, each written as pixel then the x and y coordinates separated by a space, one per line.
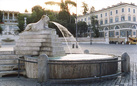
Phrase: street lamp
pixel 76 27
pixel 90 35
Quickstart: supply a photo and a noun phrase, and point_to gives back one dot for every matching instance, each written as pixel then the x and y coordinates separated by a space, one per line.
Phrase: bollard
pixel 86 51
pixel 125 65
pixel 43 69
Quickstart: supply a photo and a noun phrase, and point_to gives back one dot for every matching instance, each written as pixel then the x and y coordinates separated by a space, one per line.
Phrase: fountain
pixel 8 36
pixel 38 39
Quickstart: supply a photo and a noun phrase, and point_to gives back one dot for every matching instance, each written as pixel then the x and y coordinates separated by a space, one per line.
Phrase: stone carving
pixel 38 26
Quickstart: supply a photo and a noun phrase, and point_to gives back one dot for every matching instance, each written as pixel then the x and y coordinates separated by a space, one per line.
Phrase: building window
pixel 106 28
pixel 117 27
pixel 97 16
pixel 81 19
pixel 89 23
pixel 134 19
pixel 122 9
pixel 10 16
pixel 111 20
pixel 133 27
pixel 85 19
pixel 111 33
pixel 106 21
pixel 134 33
pixel 122 18
pixel 110 12
pixel 105 14
pixel 101 15
pixel 123 33
pixel 116 19
pixel 117 33
pixel 116 11
pixel 129 18
pixel 133 10
pixel 88 18
pixel 101 22
pixel 128 9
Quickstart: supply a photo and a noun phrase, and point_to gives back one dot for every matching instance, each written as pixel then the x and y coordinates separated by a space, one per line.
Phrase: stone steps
pixel 8 59
pixel 47 44
pixel 8 67
pixel 35 43
pixel 8 63
pixel 6 52
pixel 52 49
pixel 2 73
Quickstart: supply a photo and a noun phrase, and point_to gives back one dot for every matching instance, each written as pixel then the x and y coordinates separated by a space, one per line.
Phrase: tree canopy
pixel 64 4
pixel 85 7
pixel 62 17
pixel 82 28
pixel 95 25
pixel 0 16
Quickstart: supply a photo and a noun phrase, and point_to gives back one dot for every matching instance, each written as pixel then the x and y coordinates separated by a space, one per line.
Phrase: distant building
pixel 9 20
pixel 119 20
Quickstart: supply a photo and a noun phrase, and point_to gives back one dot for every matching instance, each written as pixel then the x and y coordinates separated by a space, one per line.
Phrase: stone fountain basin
pixel 74 66
pixel 81 66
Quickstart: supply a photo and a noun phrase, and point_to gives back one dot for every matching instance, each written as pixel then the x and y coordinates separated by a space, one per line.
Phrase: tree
pixel 37 12
pixel 92 9
pixel 26 11
pixel 82 28
pixel 0 29
pixel 95 25
pixel 85 7
pixel 64 5
pixel 1 16
pixel 21 21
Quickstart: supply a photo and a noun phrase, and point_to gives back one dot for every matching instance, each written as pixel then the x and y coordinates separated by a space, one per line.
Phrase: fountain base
pixel 82 66
pixel 79 66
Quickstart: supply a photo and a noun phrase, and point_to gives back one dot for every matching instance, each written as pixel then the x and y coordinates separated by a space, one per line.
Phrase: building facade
pixel 9 20
pixel 120 21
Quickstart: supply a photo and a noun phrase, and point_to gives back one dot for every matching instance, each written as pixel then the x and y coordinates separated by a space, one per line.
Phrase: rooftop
pixel 109 7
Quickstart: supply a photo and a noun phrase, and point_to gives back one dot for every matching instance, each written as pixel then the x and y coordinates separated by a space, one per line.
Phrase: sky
pixel 21 5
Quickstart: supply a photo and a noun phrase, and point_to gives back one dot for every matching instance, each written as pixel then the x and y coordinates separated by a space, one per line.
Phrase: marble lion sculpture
pixel 42 24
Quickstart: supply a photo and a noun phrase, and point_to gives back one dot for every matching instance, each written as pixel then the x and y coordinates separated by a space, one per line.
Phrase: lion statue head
pixel 45 18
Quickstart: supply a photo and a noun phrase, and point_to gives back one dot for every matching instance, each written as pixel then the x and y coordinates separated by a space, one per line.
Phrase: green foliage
pixel 0 16
pixel 64 4
pixel 95 26
pixel 0 29
pixel 85 7
pixel 63 17
pixel 21 21
pixel 37 12
pixel 82 28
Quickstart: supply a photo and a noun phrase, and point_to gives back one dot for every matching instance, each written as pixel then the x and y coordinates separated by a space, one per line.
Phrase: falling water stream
pixel 65 34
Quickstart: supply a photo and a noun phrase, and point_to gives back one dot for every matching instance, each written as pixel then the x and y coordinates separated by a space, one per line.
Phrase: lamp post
pixel 127 36
pixel 76 27
pixel 91 36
